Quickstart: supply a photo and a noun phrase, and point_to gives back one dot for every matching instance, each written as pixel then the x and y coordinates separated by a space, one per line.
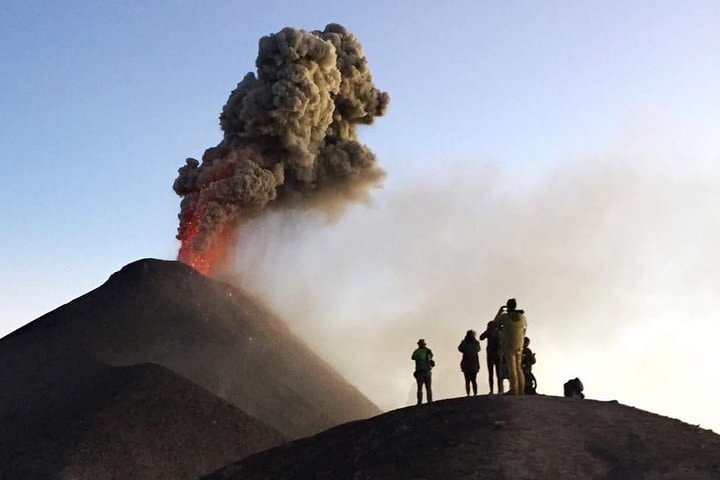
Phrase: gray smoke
pixel 289 134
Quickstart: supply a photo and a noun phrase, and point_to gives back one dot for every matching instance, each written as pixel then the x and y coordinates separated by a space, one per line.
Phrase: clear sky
pixel 101 102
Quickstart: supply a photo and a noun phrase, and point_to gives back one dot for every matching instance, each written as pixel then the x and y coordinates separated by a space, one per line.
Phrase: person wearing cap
pixel 424 363
pixel 513 324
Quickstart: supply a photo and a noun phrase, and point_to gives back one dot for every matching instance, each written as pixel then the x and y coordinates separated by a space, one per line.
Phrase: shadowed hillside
pixel 127 422
pixel 497 437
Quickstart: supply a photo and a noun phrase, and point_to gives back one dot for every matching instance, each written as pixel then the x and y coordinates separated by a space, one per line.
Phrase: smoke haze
pixel 289 134
pixel 614 260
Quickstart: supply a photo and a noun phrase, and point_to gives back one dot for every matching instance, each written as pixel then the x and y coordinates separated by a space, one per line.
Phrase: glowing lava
pixel 210 260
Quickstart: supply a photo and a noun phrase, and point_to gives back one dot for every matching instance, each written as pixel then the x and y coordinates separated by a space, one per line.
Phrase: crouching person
pixel 573 388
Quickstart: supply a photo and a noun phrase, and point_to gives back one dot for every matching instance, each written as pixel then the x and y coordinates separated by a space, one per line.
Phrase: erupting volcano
pixel 289 135
pixel 203 260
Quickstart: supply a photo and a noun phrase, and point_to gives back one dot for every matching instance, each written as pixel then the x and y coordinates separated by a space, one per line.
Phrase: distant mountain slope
pixel 497 437
pixel 164 312
pixel 113 423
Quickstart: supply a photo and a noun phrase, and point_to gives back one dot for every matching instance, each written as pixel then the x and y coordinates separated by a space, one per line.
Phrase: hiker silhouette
pixel 493 354
pixel 470 363
pixel 424 363
pixel 513 324
pixel 528 360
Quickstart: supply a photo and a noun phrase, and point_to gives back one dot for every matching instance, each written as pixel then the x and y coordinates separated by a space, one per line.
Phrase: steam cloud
pixel 289 133
pixel 608 255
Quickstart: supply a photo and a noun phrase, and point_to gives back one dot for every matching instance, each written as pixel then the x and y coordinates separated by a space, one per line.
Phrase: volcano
pixel 160 363
pixel 497 438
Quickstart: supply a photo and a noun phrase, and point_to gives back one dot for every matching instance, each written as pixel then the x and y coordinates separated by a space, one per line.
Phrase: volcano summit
pixel 160 331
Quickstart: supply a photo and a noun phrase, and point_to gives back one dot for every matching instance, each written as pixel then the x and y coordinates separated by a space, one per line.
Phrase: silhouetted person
pixel 513 325
pixel 528 360
pixel 424 363
pixel 493 353
pixel 573 388
pixel 470 363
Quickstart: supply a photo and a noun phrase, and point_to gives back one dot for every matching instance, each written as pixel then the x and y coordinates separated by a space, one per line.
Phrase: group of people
pixel 508 356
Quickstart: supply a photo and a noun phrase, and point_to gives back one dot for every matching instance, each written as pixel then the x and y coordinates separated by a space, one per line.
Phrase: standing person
pixel 424 363
pixel 513 324
pixel 493 352
pixel 470 363
pixel 528 360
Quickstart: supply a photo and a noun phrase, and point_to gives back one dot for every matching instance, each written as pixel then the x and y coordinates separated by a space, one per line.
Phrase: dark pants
pixel 530 382
pixel 470 379
pixel 493 363
pixel 423 377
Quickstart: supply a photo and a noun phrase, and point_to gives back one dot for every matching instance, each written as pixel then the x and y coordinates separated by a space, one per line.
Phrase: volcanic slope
pixel 496 437
pixel 165 313
pixel 141 421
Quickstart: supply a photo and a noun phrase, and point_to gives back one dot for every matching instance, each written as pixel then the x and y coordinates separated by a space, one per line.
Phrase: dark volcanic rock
pixel 142 421
pixel 164 313
pixel 542 438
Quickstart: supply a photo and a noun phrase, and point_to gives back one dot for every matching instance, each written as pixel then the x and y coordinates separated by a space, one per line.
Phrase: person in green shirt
pixel 424 363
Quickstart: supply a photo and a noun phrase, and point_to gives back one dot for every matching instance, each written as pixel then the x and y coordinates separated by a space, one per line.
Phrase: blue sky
pixel 102 101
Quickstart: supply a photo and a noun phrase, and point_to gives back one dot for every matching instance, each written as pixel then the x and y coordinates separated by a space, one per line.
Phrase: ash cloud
pixel 289 134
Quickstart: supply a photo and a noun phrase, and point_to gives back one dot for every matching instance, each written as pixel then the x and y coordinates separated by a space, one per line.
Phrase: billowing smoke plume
pixel 289 134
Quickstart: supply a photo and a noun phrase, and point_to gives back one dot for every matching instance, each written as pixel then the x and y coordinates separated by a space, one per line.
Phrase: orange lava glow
pixel 207 261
